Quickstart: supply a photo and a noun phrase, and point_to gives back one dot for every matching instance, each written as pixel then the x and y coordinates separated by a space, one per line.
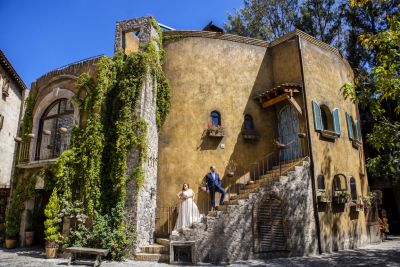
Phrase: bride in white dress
pixel 188 213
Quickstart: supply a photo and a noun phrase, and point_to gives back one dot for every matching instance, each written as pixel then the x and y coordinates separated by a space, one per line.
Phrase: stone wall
pixel 141 202
pixel 230 236
pixel 11 112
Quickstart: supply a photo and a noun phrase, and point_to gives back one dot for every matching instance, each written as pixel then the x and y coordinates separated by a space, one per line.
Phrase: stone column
pixel 141 202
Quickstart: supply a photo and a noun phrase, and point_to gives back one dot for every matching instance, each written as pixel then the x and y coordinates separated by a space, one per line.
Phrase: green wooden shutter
pixel 336 121
pixel 349 126
pixel 358 132
pixel 317 116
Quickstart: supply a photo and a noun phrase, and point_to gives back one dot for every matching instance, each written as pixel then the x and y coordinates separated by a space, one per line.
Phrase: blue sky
pixel 40 35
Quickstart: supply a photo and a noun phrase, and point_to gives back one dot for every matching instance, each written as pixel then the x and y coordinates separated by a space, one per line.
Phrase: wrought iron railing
pixel 47 148
pixel 270 167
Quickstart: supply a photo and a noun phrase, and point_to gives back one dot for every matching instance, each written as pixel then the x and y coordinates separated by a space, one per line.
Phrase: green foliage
pixel 91 177
pixel 323 20
pixel 266 19
pixel 377 90
pixel 27 120
pixel 52 223
pixel 23 190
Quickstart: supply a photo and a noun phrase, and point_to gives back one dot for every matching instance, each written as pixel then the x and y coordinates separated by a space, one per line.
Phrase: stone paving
pixel 384 254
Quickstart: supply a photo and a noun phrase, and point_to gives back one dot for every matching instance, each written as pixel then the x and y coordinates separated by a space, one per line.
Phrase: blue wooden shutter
pixel 358 132
pixel 317 116
pixel 336 121
pixel 349 126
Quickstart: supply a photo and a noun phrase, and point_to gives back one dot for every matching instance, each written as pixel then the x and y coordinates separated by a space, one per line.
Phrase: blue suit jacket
pixel 210 182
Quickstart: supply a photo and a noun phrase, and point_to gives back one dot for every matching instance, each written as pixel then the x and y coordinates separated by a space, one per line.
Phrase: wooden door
pixel 270 226
pixel 288 129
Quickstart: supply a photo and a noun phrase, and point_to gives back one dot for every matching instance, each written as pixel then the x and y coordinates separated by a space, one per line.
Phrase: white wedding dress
pixel 188 213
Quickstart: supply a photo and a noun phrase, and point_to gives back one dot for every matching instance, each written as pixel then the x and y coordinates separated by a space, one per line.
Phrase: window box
pixel 356 144
pixel 216 131
pixel 341 197
pixel 322 197
pixel 250 135
pixel 329 134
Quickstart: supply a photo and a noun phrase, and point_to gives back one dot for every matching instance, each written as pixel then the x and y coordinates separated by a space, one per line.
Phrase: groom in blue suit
pixel 213 184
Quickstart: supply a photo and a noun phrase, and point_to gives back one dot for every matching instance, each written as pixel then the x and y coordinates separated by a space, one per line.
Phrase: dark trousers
pixel 212 195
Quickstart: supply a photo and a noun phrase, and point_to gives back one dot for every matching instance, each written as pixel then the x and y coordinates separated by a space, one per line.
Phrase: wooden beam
pixel 295 105
pixel 276 100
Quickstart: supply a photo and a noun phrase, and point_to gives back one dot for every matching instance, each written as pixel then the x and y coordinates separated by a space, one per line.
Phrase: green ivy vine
pixel 91 177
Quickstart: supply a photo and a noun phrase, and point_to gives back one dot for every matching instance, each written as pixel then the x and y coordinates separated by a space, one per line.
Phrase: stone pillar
pixel 141 202
pixel 29 205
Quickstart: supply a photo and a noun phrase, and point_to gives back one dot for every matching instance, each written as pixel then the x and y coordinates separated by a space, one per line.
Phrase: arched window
pixel 321 182
pixel 339 182
pixel 215 118
pixel 326 117
pixel 353 188
pixel 248 122
pixel 54 129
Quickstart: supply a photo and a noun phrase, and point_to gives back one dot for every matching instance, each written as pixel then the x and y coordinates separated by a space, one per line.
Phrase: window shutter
pixel 349 126
pixel 336 121
pixel 317 116
pixel 358 132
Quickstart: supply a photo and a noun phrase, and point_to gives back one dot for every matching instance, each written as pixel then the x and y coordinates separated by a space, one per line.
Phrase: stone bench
pixel 91 251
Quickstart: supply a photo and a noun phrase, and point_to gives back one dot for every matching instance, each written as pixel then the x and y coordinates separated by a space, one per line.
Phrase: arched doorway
pixel 270 231
pixel 288 129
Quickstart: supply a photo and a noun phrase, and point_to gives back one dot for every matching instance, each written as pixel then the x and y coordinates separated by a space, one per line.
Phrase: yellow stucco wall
pixel 324 75
pixel 206 75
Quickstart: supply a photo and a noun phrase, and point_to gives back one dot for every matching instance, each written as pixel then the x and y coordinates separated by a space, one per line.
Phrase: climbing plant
pixel 91 177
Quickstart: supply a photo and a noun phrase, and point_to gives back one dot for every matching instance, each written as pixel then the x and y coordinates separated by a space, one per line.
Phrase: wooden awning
pixel 273 96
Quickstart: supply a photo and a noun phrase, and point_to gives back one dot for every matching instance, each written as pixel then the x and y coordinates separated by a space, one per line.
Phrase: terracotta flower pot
pixel 11 243
pixel 51 253
pixel 29 235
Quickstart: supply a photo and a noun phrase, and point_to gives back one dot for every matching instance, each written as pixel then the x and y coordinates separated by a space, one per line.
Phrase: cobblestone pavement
pixel 385 254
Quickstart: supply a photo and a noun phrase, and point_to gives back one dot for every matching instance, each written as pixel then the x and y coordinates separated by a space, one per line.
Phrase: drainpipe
pixel 316 217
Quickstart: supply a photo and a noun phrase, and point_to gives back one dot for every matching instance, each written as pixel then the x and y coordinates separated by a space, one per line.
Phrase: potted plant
pixel 215 131
pixel 29 233
pixel 52 226
pixel 321 196
pixel 231 168
pixel 13 213
pixel 341 197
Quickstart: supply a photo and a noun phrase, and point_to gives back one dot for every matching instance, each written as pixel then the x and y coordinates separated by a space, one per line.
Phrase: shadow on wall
pixel 244 153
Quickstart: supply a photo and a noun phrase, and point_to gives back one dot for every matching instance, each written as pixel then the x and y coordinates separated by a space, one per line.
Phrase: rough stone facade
pixel 11 106
pixel 232 235
pixel 141 203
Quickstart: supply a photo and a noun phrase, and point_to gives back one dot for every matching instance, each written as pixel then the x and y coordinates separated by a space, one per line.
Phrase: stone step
pixel 212 213
pixel 221 207
pixel 253 185
pixel 162 241
pixel 232 202
pixel 152 257
pixel 244 195
pixel 155 249
pixel 249 190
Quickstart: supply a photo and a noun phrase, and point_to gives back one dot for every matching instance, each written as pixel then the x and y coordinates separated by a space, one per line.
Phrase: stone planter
pixel 11 243
pixel 322 199
pixel 230 174
pixel 29 236
pixel 51 253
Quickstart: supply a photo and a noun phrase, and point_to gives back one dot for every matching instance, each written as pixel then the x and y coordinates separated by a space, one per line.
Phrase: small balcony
pixel 216 131
pixel 45 150
pixel 250 135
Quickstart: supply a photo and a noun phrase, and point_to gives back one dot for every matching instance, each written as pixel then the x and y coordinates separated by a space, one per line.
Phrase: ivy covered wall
pixel 89 181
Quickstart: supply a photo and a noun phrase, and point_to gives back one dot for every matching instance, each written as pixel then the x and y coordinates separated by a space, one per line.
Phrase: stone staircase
pixel 159 251
pixel 251 187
